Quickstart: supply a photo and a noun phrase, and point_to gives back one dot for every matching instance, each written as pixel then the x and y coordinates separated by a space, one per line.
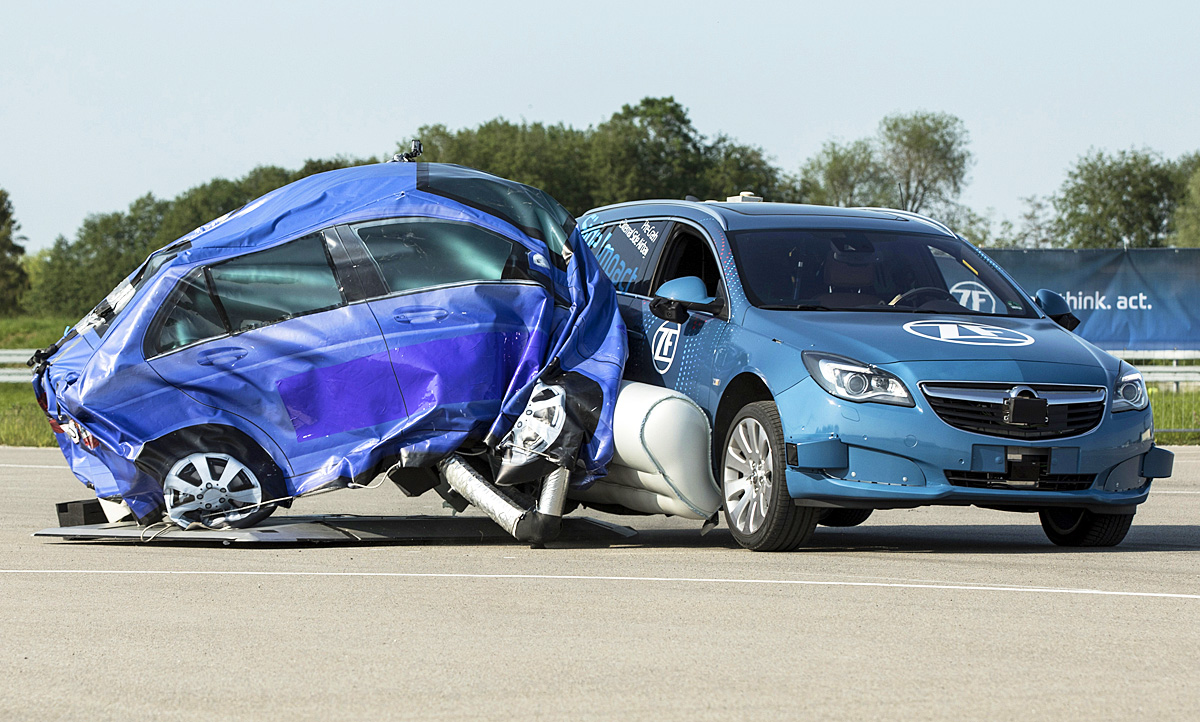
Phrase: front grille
pixel 1047 482
pixel 979 407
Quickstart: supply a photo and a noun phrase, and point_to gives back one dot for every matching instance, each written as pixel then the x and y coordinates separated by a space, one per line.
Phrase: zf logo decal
pixel 975 296
pixel 972 334
pixel 666 341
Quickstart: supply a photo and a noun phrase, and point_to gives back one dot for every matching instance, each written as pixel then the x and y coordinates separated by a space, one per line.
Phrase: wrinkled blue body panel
pixel 333 394
pixel 856 454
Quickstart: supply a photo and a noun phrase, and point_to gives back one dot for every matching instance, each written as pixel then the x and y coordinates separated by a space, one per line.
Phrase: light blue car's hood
pixel 892 337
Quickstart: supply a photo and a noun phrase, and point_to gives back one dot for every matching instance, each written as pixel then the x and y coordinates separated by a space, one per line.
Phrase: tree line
pixel 915 161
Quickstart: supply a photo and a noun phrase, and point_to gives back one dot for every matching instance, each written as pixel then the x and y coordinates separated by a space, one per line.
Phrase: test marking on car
pixel 666 340
pixel 602 578
pixel 973 334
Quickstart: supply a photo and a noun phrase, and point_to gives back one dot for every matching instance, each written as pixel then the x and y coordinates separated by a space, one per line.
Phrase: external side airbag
pixel 662 456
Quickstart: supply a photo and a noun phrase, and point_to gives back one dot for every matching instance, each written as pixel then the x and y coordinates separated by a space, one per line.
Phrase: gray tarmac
pixel 935 613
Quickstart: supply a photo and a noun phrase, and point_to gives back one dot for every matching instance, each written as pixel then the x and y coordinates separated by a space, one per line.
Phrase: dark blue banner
pixel 1146 299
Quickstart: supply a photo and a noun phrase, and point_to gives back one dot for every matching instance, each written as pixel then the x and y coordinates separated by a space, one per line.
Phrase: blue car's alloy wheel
pixel 214 490
pixel 760 513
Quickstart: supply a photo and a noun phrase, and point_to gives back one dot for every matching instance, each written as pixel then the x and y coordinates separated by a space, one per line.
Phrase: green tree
pixel 548 157
pixel 648 150
pixel 926 156
pixel 1187 214
pixel 13 280
pixel 1125 199
pixel 847 175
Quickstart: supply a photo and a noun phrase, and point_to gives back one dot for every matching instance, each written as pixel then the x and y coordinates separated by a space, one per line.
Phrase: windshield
pixel 849 270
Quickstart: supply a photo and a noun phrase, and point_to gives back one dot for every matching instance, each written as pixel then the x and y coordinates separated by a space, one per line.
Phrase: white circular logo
pixel 664 345
pixel 975 296
pixel 972 334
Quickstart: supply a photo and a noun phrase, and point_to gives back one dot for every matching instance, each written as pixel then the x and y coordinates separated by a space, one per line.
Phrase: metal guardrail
pixel 15 355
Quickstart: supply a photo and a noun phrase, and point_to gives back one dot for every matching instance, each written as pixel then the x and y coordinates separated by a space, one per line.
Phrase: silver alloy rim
pixel 747 476
pixel 210 489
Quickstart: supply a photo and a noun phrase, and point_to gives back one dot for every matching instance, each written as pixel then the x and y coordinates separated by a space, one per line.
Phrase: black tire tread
pixel 790 525
pixel 1093 530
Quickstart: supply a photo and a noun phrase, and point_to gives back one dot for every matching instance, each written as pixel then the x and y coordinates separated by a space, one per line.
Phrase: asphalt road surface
pixel 936 613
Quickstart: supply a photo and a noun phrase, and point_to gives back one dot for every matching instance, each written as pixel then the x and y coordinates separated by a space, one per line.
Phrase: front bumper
pixel 879 456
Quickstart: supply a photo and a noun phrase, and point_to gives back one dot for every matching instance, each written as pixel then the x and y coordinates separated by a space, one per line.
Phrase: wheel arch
pixel 745 388
pixel 156 453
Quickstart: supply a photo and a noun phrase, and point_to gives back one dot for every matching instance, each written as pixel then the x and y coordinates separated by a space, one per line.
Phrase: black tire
pixel 844 517
pixel 250 477
pixel 750 485
pixel 1082 528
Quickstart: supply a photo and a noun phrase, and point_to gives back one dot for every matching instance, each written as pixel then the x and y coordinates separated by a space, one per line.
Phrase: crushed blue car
pixel 370 319
pixel 851 360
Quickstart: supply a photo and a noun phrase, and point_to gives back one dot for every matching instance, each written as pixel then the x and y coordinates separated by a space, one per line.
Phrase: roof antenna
pixel 410 156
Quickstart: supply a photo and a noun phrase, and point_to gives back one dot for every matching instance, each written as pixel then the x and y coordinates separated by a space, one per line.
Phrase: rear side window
pixel 624 251
pixel 416 253
pixel 269 286
pixel 192 317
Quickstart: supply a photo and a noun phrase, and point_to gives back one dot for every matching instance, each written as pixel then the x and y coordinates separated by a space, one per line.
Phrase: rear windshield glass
pixel 102 316
pixel 847 270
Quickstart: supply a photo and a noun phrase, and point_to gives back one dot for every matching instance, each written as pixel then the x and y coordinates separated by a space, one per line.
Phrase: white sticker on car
pixel 975 296
pixel 972 334
pixel 663 346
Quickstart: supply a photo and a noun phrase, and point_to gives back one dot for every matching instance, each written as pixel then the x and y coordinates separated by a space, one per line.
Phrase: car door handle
pixel 424 314
pixel 223 356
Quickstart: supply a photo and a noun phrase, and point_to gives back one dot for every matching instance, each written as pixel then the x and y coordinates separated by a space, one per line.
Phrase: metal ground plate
pixel 345 529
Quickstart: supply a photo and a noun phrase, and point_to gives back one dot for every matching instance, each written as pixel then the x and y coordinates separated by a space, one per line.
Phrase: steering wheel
pixel 923 290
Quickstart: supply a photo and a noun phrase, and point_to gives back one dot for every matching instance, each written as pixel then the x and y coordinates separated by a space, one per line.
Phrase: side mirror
pixel 678 296
pixel 1057 308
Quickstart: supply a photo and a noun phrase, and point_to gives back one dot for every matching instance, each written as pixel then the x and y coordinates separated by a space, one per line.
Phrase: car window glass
pixel 624 250
pixel 279 283
pixel 415 253
pixel 689 255
pixel 530 209
pixel 192 317
pixel 869 270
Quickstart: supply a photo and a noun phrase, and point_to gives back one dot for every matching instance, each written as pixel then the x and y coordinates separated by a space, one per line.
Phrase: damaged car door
pixel 271 337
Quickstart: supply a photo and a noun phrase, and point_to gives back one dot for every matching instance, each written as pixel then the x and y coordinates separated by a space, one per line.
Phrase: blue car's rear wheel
pixel 758 509
pixel 215 490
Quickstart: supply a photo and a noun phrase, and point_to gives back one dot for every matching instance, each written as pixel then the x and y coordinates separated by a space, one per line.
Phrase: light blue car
pixel 860 359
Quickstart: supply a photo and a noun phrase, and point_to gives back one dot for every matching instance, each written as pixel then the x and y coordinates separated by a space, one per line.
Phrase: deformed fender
pixel 1157 463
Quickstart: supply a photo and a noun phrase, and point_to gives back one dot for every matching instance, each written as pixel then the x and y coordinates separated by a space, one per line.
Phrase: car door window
pixel 191 317
pixel 689 255
pixel 625 251
pixel 280 283
pixel 415 253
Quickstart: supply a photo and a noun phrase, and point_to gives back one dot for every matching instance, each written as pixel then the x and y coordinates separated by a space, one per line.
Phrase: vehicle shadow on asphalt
pixel 942 539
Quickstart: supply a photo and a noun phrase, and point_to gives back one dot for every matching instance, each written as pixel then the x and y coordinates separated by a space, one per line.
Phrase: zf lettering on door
pixel 664 345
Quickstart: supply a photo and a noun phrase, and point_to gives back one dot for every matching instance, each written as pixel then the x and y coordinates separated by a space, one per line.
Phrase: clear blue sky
pixel 103 102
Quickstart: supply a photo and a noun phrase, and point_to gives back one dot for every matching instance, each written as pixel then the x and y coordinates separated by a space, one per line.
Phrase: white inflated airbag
pixel 662 456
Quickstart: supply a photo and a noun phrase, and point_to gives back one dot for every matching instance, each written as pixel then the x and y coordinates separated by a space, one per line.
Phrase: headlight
pixel 853 380
pixel 1130 391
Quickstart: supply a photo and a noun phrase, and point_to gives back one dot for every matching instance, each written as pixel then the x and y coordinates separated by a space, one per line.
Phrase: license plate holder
pixel 1026 412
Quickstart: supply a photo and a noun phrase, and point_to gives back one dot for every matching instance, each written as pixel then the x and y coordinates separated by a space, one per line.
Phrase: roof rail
pixel 708 210
pixel 909 214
